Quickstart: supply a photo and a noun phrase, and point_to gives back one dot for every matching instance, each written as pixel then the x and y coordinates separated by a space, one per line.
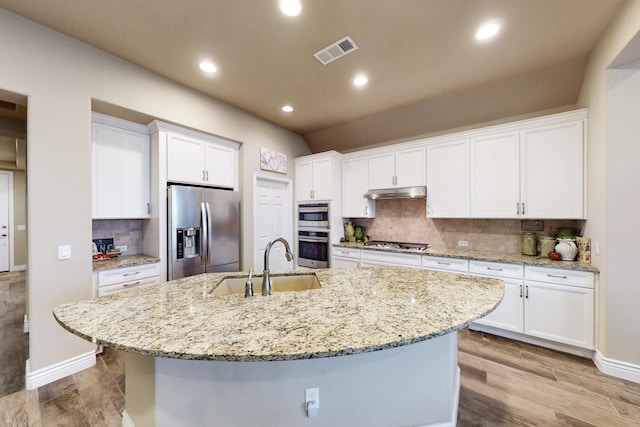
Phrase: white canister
pixel 567 248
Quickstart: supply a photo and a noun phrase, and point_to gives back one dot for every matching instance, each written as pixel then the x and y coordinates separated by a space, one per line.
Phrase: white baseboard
pixel 25 326
pixel 126 420
pixel 60 370
pixel 616 368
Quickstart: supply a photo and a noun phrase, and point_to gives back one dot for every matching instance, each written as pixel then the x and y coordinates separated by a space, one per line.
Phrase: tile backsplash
pixel 124 232
pixel 405 220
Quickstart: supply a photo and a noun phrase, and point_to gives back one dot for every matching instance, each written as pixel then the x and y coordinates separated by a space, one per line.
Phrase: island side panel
pixel 416 384
pixel 139 390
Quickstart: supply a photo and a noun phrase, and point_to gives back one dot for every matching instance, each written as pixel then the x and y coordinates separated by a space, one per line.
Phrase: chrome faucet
pixel 266 280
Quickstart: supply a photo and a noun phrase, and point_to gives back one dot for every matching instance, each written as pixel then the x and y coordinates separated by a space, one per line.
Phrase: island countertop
pixel 355 311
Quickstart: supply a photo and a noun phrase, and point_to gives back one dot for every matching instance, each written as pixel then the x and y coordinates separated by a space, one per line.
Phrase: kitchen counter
pixel 482 256
pixel 355 311
pixel 124 261
pixel 379 343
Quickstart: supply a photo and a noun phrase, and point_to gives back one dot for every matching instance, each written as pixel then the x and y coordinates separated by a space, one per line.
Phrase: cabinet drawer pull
pixel 494 269
pixel 345 252
pixel 130 274
pixel 557 277
pixel 444 263
pixel 130 285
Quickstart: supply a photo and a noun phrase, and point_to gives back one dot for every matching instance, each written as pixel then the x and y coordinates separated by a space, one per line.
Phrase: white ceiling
pixel 426 71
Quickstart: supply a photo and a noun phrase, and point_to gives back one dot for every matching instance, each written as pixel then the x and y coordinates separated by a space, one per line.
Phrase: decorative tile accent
pixel 124 232
pixel 405 220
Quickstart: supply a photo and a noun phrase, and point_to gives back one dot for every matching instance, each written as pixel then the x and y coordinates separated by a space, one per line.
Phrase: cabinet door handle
pixel 366 210
pixel 149 208
pixel 517 208
pixel 557 277
pixel 522 208
pixel 203 175
pixel 526 290
pixel 207 174
pixel 131 285
pixel 520 291
pixel 130 274
pixel 494 269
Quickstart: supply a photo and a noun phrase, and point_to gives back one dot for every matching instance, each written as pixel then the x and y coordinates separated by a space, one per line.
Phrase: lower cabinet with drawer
pixel 554 305
pixel 121 279
pixel 345 258
pixel 370 258
pixel 456 265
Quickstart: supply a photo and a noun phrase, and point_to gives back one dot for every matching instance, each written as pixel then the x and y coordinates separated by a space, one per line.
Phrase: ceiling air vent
pixel 335 50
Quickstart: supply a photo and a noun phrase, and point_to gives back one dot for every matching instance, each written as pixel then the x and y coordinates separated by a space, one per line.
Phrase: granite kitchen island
pixel 379 343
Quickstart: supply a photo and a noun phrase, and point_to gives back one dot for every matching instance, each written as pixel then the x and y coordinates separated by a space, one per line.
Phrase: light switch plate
pixel 64 252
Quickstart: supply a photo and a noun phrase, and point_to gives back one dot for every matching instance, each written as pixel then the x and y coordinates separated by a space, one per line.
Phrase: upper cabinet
pixel 194 158
pixel 318 177
pixel 448 179
pixel 495 175
pixel 398 168
pixel 355 183
pixel 552 171
pixel 529 169
pixel 121 165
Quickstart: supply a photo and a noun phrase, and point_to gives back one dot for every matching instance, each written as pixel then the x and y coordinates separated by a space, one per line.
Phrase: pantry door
pixel 273 212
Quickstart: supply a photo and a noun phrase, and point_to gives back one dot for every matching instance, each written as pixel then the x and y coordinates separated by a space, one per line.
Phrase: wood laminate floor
pixel 503 383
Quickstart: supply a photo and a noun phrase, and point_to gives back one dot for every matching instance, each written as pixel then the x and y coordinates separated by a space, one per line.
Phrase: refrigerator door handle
pixel 204 236
pixel 209 246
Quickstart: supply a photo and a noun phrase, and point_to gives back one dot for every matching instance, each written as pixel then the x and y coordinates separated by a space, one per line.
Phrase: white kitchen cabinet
pixel 555 305
pixel 559 306
pixel 509 314
pixel 122 279
pixel 495 175
pixel 318 177
pixel 552 171
pixel 345 257
pixel 121 160
pixel 399 168
pixel 201 159
pixel 448 179
pixel 454 265
pixel 369 258
pixel 355 183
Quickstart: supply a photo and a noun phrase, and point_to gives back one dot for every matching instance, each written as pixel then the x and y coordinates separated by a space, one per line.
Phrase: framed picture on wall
pixel 272 160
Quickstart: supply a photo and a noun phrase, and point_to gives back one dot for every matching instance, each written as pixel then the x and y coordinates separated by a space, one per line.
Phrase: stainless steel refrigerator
pixel 204 230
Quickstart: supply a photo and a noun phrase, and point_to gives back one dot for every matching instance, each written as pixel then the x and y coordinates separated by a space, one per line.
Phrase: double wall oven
pixel 313 235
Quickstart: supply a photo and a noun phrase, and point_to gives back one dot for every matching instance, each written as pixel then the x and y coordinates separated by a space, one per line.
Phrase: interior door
pixel 4 222
pixel 272 219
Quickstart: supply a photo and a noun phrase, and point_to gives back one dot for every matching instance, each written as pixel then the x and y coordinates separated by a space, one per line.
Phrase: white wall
pixel 612 179
pixel 60 76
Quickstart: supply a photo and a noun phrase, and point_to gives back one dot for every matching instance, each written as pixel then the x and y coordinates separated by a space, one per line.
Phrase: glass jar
pixel 529 244
pixel 547 244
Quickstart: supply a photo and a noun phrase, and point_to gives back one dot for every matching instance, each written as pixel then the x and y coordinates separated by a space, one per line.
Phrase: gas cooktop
pixel 418 247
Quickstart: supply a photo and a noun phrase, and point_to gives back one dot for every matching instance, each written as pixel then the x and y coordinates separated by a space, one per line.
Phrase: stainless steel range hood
pixel 397 193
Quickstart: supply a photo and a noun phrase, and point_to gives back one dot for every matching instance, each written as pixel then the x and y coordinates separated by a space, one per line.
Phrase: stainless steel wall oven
pixel 313 248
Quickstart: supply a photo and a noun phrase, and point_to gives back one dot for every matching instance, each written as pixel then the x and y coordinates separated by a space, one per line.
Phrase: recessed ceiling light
pixel 487 30
pixel 290 7
pixel 208 67
pixel 360 80
pixel 287 108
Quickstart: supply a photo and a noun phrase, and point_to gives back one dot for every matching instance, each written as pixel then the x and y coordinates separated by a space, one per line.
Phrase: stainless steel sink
pixel 301 282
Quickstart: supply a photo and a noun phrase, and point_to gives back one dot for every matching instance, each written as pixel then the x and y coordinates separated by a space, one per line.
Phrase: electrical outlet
pixel 312 401
pixel 463 243
pixel 123 248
